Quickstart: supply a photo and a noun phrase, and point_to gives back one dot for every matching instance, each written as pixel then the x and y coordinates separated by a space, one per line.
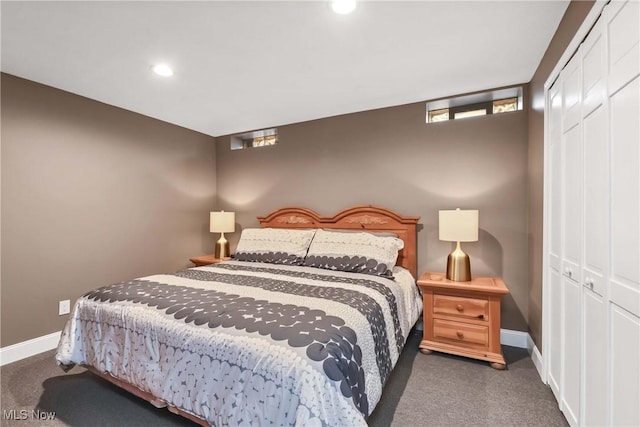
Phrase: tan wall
pixel 390 157
pixel 573 18
pixel 92 194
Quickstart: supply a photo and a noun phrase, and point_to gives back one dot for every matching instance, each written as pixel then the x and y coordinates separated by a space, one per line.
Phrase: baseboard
pixel 514 338
pixel 536 357
pixel 29 348
pixel 523 340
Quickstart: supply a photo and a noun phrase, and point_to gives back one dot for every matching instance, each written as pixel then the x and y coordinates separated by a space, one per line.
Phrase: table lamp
pixel 222 222
pixel 458 226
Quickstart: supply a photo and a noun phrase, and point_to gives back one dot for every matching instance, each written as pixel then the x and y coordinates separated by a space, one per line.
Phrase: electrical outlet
pixel 64 307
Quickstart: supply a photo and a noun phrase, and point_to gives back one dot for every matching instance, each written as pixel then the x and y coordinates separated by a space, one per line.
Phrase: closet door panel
pixel 596 160
pixel 593 71
pixel 625 196
pixel 555 136
pixel 628 297
pixel 623 18
pixel 572 92
pixel 595 360
pixel 555 332
pixel 572 207
pixel 596 200
pixel 571 350
pixel 625 369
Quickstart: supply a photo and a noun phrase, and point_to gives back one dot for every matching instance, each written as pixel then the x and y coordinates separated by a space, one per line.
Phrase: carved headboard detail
pixel 365 218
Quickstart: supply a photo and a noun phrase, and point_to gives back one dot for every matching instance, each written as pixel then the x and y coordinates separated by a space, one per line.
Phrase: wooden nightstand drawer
pixel 461 332
pixel 470 308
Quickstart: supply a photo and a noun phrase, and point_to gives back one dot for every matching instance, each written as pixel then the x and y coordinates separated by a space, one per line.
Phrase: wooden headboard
pixel 363 218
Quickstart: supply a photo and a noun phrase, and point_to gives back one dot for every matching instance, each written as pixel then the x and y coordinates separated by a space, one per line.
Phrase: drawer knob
pixel 460 308
pixel 460 334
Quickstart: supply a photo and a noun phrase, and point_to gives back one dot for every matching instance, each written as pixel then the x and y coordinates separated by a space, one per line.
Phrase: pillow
pixel 358 252
pixel 274 245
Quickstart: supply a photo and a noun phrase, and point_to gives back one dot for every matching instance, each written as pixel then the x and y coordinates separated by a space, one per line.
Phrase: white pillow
pixel 274 245
pixel 359 252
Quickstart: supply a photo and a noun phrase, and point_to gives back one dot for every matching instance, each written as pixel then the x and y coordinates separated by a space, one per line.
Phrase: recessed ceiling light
pixel 163 70
pixel 343 7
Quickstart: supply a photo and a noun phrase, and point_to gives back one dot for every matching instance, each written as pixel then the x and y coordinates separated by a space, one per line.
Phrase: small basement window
pixel 258 138
pixel 479 104
pixel 470 113
pixel 438 115
pixel 505 105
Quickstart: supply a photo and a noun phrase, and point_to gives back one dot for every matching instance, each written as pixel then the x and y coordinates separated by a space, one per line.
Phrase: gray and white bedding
pixel 248 343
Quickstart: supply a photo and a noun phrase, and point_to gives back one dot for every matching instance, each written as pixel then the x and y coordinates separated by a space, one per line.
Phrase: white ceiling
pixel 242 65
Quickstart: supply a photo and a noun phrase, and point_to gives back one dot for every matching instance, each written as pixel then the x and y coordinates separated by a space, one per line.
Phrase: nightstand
pixel 462 318
pixel 199 261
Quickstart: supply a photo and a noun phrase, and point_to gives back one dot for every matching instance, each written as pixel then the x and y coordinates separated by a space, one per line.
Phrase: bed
pixel 303 327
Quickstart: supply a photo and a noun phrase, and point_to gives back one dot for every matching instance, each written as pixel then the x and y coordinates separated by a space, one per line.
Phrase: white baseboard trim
pixel 536 357
pixel 523 340
pixel 29 348
pixel 514 338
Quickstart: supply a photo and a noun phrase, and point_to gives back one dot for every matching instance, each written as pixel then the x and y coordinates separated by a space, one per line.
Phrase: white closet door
pixel 593 276
pixel 596 232
pixel 623 24
pixel 555 248
pixel 572 168
pixel 572 239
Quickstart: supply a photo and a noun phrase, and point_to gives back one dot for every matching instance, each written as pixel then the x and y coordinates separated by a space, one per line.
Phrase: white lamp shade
pixel 458 226
pixel 222 222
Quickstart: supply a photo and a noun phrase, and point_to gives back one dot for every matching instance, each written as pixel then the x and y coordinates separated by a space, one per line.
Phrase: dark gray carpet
pixel 423 390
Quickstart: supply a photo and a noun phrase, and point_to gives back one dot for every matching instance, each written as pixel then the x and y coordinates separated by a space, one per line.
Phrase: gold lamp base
pixel 222 248
pixel 458 265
